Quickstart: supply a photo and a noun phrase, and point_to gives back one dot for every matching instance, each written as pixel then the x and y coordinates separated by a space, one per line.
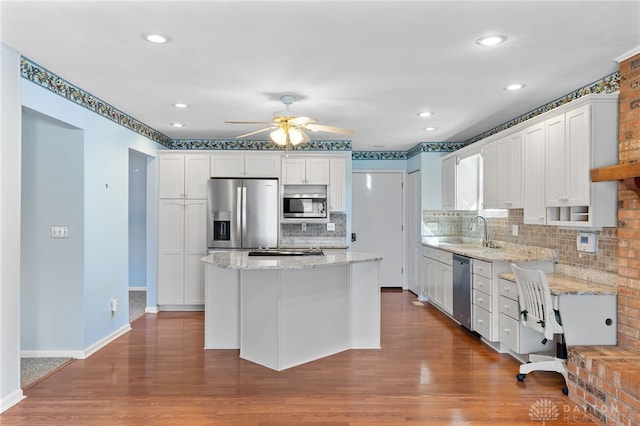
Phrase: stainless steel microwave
pixel 304 206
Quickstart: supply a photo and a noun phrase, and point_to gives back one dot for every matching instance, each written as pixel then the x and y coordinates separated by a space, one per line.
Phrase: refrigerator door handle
pixel 244 211
pixel 239 204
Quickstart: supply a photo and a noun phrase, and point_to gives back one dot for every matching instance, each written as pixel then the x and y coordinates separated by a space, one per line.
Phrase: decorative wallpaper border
pixel 51 81
pixel 608 84
pixel 258 145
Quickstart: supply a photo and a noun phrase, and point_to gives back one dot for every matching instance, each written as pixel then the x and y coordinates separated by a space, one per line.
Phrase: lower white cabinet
pixel 181 245
pixel 437 278
pixel 483 300
pixel 520 339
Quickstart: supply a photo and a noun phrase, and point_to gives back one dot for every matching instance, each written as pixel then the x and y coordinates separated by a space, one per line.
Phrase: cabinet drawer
pixel 509 330
pixel 508 289
pixel 482 300
pixel 482 283
pixel 482 322
pixel 439 255
pixel 509 307
pixel 481 267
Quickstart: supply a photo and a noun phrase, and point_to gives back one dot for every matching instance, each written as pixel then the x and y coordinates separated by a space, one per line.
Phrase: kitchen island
pixel 283 311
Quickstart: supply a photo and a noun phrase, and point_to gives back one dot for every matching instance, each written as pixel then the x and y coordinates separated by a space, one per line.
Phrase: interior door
pixel 378 221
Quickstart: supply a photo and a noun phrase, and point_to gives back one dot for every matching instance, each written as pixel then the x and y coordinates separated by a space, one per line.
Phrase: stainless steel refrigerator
pixel 242 213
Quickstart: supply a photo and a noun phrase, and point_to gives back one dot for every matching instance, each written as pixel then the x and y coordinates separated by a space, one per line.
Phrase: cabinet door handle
pixel 480 321
pixel 506 330
pixel 480 299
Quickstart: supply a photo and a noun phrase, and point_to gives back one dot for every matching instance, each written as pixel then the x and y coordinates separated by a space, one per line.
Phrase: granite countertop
pixel 563 284
pixel 498 252
pixel 239 259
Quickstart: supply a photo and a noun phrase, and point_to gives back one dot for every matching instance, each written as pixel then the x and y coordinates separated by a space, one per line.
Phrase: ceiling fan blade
pixel 330 129
pixel 248 122
pixel 254 132
pixel 302 121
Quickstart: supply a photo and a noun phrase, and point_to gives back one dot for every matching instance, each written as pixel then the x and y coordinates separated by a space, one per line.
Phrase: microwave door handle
pixel 239 213
pixel 244 212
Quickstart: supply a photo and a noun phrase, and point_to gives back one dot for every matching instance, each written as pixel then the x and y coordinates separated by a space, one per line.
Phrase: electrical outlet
pixel 331 226
pixel 304 226
pixel 514 230
pixel 59 232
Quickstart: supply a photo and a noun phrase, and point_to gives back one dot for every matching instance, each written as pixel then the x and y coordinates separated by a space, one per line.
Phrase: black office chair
pixel 537 312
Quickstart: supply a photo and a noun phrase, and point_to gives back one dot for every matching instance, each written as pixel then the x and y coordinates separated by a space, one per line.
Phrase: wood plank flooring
pixel 428 372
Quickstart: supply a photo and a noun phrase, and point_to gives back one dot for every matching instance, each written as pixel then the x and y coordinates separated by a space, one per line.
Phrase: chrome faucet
pixel 485 240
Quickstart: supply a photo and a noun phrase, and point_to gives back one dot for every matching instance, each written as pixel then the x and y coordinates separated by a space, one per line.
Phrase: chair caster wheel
pixel 565 390
pixel 521 377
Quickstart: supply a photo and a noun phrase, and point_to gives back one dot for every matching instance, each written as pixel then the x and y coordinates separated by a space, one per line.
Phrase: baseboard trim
pixel 137 289
pixel 51 354
pixel 105 341
pixel 11 400
pixel 151 310
pixel 182 308
pixel 82 354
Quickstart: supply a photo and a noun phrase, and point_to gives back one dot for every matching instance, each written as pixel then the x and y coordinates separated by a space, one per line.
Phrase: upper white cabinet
pixel 337 185
pixel 503 172
pixel 449 183
pixel 534 169
pixel 245 165
pixel 305 170
pixel 578 140
pixel 183 175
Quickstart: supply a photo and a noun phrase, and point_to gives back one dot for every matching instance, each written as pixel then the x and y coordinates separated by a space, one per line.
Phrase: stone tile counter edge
pixel 241 260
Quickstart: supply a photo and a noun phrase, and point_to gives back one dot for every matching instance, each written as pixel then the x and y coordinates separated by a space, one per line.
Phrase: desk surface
pixel 563 284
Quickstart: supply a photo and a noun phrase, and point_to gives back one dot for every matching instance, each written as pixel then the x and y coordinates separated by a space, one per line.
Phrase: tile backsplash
pixel 316 234
pixel 455 223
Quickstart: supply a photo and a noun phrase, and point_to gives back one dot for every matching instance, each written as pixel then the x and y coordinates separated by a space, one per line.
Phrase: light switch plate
pixel 514 230
pixel 59 232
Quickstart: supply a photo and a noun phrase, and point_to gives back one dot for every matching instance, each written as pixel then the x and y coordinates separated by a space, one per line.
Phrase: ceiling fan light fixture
pixel 279 136
pixel 295 136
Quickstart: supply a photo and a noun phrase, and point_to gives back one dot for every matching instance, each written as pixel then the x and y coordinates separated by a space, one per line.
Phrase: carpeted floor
pixel 34 369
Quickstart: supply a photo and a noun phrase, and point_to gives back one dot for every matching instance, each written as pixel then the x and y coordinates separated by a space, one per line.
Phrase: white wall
pixel 10 116
pixel 52 268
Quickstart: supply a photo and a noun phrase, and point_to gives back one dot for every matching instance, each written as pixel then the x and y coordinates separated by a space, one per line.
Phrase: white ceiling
pixel 369 66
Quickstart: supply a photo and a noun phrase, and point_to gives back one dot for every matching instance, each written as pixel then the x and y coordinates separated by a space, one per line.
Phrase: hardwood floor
pixel 429 371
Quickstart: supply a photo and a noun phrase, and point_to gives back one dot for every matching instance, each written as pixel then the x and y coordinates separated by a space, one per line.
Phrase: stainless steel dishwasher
pixel 462 290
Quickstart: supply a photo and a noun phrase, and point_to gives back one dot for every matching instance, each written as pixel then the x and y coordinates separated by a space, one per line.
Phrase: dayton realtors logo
pixel 544 410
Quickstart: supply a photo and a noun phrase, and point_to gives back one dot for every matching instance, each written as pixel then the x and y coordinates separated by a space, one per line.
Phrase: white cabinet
pixel 337 185
pixel 305 170
pixel 534 171
pixel 449 183
pixel 516 337
pixel 181 245
pixel 183 175
pixel 437 278
pixel 245 165
pixel 510 171
pixel 503 172
pixel 482 299
pixel 182 216
pixel 578 140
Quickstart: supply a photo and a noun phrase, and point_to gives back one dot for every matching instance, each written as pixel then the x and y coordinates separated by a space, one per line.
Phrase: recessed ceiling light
pixel 425 114
pixel 515 86
pixel 491 40
pixel 428 129
pixel 177 124
pixel 156 38
pixel 180 105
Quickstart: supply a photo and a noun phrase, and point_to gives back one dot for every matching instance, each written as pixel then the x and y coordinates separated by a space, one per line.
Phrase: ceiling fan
pixel 288 129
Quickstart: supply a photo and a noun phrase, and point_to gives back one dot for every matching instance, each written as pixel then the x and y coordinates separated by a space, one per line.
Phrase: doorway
pixel 137 234
pixel 378 221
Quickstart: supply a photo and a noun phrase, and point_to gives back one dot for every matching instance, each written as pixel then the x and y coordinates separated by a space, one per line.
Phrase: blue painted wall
pixel 106 238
